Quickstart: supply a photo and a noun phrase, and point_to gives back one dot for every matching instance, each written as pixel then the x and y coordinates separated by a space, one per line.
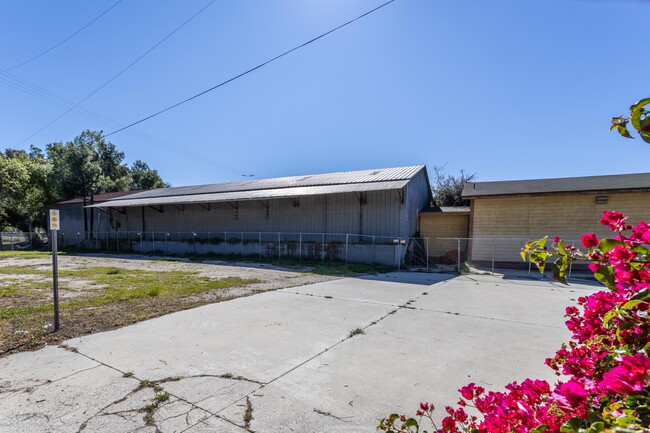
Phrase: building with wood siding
pixel 505 214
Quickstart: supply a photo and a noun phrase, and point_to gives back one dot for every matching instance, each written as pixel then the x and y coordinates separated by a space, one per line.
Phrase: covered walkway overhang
pixel 267 194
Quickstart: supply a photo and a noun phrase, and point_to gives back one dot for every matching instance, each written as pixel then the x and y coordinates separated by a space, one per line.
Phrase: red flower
pixel 614 220
pixel 590 240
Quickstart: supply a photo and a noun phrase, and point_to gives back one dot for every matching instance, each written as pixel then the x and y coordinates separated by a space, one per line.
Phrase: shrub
pixel 606 361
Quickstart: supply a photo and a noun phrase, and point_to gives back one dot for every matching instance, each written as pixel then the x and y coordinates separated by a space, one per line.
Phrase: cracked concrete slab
pixel 285 361
pixel 63 403
pixel 258 337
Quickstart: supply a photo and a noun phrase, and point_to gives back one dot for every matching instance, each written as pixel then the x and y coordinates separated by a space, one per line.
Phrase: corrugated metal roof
pixel 342 178
pixel 253 195
pixel 617 182
pixel 98 198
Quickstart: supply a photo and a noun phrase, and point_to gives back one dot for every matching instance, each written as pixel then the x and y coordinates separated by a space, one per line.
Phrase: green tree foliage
pixel 142 177
pixel 85 166
pixel 447 189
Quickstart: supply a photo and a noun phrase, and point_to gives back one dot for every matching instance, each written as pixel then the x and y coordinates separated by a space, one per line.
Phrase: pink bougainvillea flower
pixel 629 377
pixel 613 220
pixel 570 395
pixel 590 240
pixel 556 239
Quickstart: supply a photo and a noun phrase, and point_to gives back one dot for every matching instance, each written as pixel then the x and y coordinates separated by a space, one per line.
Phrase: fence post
pixel 209 244
pixel 493 258
pixel 260 236
pixel 300 247
pixel 322 247
pixel 194 238
pixel 458 246
pixel 153 243
pixel 427 252
pixel 225 243
pixel 242 243
pixel 399 254
pixel 11 241
pixel 141 244
pixel 279 246
pixel 346 247
pixel 374 259
pixel 529 267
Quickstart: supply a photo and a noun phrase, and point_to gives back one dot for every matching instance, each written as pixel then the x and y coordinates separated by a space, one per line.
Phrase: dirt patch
pixel 103 292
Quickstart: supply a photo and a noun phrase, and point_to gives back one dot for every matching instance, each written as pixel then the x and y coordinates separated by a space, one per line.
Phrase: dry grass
pixel 96 299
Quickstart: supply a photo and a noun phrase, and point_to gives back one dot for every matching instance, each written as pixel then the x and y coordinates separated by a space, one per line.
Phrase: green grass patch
pixel 129 284
pixel 27 254
pixel 21 270
pixel 6 313
pixel 120 285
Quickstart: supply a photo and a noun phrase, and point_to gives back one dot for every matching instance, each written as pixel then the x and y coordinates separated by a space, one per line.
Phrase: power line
pixel 249 70
pixel 59 101
pixel 31 59
pixel 121 72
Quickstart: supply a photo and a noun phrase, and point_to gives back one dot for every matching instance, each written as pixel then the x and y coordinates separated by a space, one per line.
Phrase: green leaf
pixel 571 426
pixel 622 129
pixel 559 269
pixel 605 275
pixel 643 294
pixel 631 304
pixel 645 136
pixel 594 417
pixel 606 245
pixel 609 316
pixel 640 104
pixel 596 427
pixel 539 429
pixel 523 255
pixel 542 242
pixel 411 422
pixel 561 249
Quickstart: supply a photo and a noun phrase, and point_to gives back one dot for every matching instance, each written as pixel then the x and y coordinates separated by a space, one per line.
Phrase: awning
pixel 265 194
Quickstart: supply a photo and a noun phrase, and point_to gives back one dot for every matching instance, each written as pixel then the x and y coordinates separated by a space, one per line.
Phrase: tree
pixel 85 166
pixel 142 177
pixel 447 189
pixel 24 189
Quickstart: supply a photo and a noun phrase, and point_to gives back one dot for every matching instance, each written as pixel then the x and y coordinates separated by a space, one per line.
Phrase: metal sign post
pixel 54 228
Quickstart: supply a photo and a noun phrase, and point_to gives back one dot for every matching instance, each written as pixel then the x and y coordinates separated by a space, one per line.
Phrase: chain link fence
pixel 23 241
pixel 432 254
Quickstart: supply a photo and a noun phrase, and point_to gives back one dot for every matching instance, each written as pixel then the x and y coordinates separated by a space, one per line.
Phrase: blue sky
pixel 507 89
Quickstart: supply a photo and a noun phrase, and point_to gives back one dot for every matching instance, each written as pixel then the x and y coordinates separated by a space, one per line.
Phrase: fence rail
pixel 442 254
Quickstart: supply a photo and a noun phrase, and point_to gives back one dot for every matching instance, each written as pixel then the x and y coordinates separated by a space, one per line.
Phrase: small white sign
pixel 54 219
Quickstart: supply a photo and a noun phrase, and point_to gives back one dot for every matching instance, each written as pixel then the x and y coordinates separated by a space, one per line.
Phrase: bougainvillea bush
pixel 604 369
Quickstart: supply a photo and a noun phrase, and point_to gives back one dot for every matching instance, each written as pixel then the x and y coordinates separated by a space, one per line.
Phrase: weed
pixel 128 374
pixel 227 376
pixel 162 397
pixel 328 297
pixel 356 331
pixel 248 415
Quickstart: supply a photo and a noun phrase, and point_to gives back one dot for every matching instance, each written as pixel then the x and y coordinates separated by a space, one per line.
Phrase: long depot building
pixel 374 207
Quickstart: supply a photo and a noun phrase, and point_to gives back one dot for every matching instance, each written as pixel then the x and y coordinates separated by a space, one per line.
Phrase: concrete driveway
pixel 284 361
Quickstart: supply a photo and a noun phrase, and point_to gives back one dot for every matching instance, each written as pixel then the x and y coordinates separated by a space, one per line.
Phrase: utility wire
pixel 249 70
pixel 59 101
pixel 121 72
pixel 31 59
